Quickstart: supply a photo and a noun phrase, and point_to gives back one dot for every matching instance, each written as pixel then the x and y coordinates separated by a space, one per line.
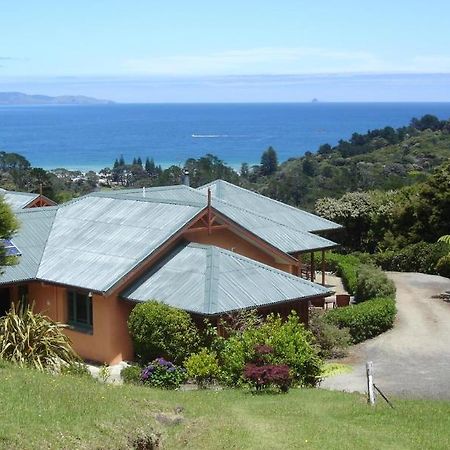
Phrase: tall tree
pixel 269 162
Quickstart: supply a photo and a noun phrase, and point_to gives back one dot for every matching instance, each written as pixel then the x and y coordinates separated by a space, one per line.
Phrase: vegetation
pixel 331 341
pixel 292 345
pixel 44 411
pixel 371 283
pixel 159 330
pixel 30 339
pixel 365 320
pixel 202 367
pixel 163 374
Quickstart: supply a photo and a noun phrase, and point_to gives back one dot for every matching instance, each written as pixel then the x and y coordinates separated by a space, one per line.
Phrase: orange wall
pixel 230 241
pixel 109 341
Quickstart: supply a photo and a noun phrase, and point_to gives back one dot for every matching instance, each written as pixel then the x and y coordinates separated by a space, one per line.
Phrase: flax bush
pixel 30 339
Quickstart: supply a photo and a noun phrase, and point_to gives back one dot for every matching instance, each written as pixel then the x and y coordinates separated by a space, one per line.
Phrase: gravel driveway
pixel 412 359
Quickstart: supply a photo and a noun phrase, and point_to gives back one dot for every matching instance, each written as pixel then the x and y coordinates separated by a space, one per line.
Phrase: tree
pixel 8 224
pixel 139 161
pixel 244 170
pixel 269 162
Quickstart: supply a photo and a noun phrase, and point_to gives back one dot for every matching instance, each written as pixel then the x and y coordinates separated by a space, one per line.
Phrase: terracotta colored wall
pixel 230 241
pixel 109 341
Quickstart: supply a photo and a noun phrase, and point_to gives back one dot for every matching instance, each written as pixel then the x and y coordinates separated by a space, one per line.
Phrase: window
pixel 80 310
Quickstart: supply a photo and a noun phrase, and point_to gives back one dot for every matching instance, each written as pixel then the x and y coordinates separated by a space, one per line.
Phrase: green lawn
pixel 42 411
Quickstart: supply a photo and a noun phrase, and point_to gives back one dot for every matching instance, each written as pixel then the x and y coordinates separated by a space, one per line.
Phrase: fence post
pixel 370 389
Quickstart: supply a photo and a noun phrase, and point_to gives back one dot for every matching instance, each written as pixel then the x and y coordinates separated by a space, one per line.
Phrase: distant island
pixel 19 98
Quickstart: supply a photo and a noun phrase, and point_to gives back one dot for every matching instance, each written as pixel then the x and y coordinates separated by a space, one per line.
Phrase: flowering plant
pixel 164 374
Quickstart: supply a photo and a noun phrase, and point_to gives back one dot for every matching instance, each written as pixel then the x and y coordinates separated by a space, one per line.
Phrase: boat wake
pixel 209 136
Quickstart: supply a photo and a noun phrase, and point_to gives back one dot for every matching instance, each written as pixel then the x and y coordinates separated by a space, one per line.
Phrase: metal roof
pixel 209 280
pixel 272 209
pixel 35 226
pixel 94 241
pixel 285 237
pixel 18 200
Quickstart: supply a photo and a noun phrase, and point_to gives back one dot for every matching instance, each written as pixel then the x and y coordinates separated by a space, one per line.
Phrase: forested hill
pixel 380 159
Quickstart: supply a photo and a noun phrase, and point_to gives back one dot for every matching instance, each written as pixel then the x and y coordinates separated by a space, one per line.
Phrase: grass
pixel 43 411
pixel 332 369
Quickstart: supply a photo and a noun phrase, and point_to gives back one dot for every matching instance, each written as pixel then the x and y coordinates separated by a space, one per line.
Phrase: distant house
pixel 209 251
pixel 21 200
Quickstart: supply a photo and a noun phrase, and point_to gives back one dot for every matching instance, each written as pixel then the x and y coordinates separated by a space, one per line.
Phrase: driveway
pixel 412 359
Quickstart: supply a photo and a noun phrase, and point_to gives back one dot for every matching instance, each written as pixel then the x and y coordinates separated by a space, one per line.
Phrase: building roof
pixel 93 242
pixel 20 200
pixel 272 209
pixel 279 233
pixel 208 280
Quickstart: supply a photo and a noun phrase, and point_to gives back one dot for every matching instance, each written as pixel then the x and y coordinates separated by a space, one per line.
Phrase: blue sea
pixel 91 137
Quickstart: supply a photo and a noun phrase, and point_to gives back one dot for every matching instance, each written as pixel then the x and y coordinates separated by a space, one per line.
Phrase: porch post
pixel 312 266
pixel 323 267
pixel 299 256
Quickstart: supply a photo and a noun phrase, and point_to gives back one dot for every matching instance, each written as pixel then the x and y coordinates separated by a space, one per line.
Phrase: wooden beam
pixel 323 267
pixel 299 257
pixel 211 228
pixel 312 266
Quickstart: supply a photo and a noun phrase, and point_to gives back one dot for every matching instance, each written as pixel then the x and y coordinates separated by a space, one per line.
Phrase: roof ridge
pixel 309 233
pixel 46 241
pixel 265 197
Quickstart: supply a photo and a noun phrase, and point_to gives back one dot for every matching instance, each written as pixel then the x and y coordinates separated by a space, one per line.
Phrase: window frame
pixel 73 297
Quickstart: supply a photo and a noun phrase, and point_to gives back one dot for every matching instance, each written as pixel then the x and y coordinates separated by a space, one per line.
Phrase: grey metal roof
pixel 285 237
pixel 18 200
pixel 209 280
pixel 94 241
pixel 97 240
pixel 272 209
pixel 35 226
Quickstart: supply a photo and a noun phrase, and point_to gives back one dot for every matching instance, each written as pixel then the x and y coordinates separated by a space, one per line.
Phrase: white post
pixel 370 390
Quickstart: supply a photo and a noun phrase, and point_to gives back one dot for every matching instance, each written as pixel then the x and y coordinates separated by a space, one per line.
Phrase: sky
pixel 285 50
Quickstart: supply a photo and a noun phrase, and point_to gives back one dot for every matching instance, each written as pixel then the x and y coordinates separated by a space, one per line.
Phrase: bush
pixel 371 283
pixel 131 374
pixel 203 367
pixel 163 374
pixel 160 330
pixel 421 257
pixel 443 266
pixel 365 320
pixel 292 345
pixel 75 368
pixel 268 376
pixel 346 267
pixel 30 339
pixel 331 340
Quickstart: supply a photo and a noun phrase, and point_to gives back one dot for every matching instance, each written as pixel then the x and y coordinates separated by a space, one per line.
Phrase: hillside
pixel 19 98
pixel 381 159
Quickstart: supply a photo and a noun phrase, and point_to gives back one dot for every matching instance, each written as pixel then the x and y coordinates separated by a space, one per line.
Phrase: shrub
pixel 131 374
pixel 203 366
pixel 420 257
pixel 163 374
pixel 292 345
pixel 365 320
pixel 443 266
pixel 371 283
pixel 160 330
pixel 346 267
pixel 75 368
pixel 268 376
pixel 30 339
pixel 331 340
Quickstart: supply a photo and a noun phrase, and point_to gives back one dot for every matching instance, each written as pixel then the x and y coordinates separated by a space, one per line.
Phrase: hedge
pixel 421 257
pixel 346 267
pixel 372 282
pixel 365 320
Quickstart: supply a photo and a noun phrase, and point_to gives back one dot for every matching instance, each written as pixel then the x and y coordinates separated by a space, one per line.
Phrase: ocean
pixel 91 137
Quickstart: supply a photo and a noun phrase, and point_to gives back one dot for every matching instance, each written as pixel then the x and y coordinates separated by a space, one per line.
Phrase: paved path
pixel 412 359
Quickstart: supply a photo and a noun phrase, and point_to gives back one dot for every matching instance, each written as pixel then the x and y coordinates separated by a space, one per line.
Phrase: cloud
pixel 284 60
pixel 266 60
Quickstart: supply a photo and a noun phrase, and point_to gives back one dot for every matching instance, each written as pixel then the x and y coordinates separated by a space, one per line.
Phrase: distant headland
pixel 19 98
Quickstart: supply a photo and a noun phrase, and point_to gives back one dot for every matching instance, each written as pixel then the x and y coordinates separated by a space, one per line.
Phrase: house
pixel 20 200
pixel 209 251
